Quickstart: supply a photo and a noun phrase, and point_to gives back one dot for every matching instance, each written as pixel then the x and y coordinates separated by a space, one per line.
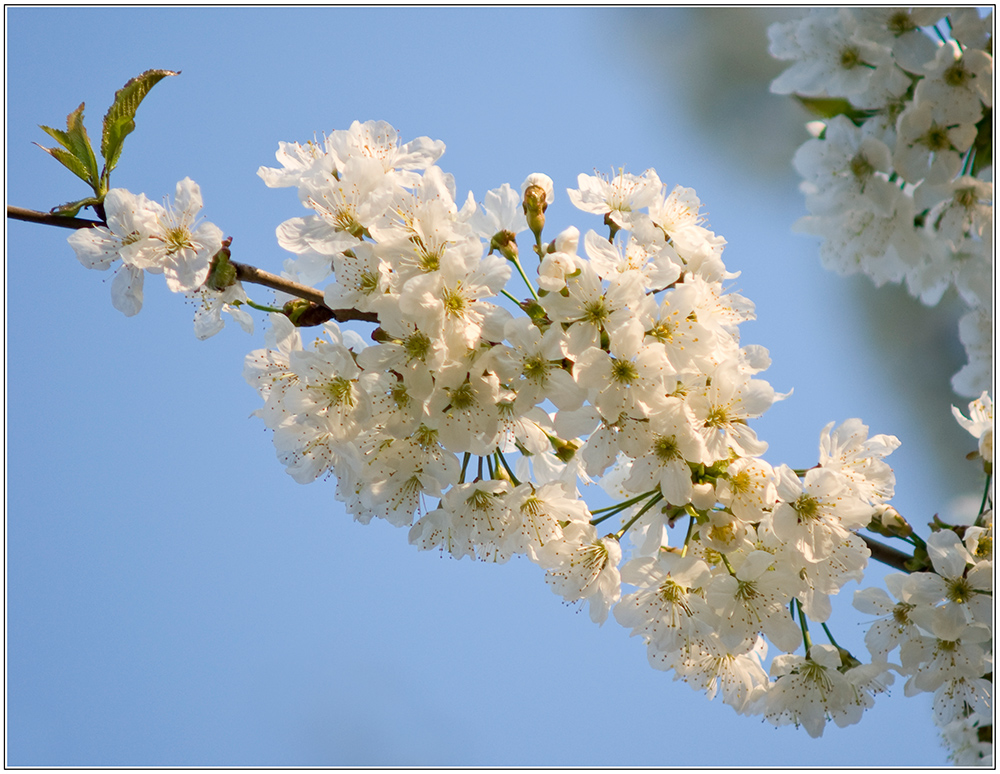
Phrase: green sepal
pixel 79 155
pixel 221 273
pixel 120 118
pixel 828 107
pixel 306 314
pixel 71 209
pixel 983 144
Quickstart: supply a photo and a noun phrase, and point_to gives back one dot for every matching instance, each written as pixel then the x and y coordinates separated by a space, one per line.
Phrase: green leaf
pixel 79 155
pixel 983 144
pixel 827 108
pixel 70 209
pixel 80 143
pixel 120 118
pixel 68 160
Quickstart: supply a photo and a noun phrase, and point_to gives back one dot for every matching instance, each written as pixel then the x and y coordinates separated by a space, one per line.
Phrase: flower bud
pixel 537 191
pixel 306 314
pixel 891 520
pixel 505 243
pixel 221 273
pixel 565 450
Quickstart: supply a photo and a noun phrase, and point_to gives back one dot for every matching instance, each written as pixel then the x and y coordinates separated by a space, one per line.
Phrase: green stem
pixel 503 461
pixel 829 636
pixel 520 270
pixel 261 307
pixel 806 639
pixel 690 531
pixel 511 297
pixel 728 565
pixel 465 464
pixel 986 493
pixel 653 501
pixel 627 503
pixel 967 163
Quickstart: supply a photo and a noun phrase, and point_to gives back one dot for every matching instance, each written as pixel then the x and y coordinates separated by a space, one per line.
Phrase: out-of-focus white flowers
pixel 899 183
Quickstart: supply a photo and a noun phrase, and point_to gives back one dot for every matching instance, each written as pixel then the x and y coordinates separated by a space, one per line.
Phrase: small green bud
pixel 847 660
pixel 534 206
pixel 536 312
pixel 893 522
pixel 221 273
pixel 306 314
pixel 564 450
pixel 505 243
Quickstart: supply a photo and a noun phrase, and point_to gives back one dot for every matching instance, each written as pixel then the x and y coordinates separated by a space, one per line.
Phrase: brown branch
pixel 48 219
pixel 887 554
pixel 244 272
pixel 247 273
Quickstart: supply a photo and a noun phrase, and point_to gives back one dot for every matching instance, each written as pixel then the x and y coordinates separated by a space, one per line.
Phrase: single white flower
pixel 979 424
pixel 178 245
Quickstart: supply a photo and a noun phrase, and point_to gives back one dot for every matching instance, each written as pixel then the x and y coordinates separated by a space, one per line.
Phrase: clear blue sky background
pixel 174 598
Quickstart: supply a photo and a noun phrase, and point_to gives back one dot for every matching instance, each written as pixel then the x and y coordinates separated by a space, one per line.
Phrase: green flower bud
pixel 221 273
pixel 534 205
pixel 505 243
pixel 306 314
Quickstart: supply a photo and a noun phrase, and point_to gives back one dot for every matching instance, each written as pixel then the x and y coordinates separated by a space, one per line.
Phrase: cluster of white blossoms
pixel 942 620
pixel 169 240
pixel 476 418
pixel 483 406
pixel 898 181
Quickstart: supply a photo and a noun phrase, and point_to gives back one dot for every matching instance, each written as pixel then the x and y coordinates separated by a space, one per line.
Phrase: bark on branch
pixel 48 219
pixel 244 272
pixel 887 554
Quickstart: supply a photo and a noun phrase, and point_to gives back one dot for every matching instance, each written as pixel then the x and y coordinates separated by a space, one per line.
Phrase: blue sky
pixel 174 598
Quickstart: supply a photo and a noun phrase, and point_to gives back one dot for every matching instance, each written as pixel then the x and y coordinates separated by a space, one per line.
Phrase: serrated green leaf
pixel 68 160
pixel 120 118
pixel 80 144
pixel 78 155
pixel 57 134
pixel 70 209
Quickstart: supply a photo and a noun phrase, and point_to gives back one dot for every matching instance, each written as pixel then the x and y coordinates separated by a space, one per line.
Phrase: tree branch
pixel 244 272
pixel 887 554
pixel 48 219
pixel 247 273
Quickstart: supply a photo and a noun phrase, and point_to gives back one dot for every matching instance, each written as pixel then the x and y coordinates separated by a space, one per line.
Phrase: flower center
pixel 807 507
pixel 623 371
pixel 959 591
pixel 861 168
pixel 595 312
pixel 177 239
pixel 454 302
pixel 536 368
pixel 717 417
pixel 462 397
pixel 340 392
pixel 936 138
pixel 900 23
pixel 417 345
pixel 850 58
pixel 956 76
pixel 665 448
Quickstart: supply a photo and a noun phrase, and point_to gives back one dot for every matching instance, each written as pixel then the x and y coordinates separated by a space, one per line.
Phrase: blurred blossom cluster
pixel 898 180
